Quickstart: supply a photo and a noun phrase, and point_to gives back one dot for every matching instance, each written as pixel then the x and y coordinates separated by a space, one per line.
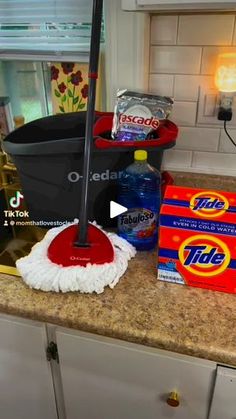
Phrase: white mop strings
pixel 39 272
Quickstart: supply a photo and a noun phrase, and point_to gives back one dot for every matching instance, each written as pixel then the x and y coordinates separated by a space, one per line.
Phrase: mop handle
pixel 92 76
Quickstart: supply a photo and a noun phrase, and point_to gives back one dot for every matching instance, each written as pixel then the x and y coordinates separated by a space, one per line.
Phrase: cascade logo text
pixel 139 120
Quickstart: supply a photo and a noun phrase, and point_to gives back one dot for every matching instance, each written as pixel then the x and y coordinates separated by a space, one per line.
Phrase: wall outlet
pixel 208 108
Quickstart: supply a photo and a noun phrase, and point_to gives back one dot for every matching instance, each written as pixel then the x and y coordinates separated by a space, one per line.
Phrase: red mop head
pixel 56 264
pixel 64 252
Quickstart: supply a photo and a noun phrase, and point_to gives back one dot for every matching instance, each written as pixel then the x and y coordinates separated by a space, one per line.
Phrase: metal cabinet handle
pixel 173 399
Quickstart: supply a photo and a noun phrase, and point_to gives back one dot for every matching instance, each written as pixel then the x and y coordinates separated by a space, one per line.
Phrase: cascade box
pixel 197 238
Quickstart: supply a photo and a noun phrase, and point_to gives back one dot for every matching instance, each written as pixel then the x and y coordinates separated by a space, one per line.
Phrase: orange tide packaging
pixel 197 238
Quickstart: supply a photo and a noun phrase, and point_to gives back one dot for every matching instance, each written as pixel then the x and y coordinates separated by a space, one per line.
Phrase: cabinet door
pixel 224 397
pixel 26 388
pixel 105 378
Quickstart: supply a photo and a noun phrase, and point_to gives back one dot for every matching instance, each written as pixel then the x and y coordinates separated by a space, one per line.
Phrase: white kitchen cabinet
pixel 26 386
pixel 104 378
pixel 224 397
pixel 177 5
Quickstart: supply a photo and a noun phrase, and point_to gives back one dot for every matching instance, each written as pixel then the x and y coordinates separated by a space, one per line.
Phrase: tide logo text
pixel 208 203
pixel 204 255
pixel 196 255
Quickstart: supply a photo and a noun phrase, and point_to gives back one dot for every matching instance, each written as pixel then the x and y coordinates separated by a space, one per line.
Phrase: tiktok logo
pixel 16 200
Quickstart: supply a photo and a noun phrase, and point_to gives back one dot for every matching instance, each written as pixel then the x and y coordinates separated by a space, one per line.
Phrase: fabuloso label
pixel 197 238
pixel 138 222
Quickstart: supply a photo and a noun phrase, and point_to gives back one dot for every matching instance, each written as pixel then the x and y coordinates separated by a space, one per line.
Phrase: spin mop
pixel 81 257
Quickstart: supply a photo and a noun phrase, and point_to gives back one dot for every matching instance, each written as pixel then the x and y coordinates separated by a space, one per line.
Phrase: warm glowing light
pixel 225 78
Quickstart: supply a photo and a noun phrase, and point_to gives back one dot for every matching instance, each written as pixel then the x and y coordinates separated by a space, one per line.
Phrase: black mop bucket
pixel 48 154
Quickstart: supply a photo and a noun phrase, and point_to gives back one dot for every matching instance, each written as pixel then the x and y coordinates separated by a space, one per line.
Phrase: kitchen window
pixel 27 84
pixel 32 36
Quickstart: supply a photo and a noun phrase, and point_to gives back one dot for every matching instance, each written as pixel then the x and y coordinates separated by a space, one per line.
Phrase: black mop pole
pixel 92 76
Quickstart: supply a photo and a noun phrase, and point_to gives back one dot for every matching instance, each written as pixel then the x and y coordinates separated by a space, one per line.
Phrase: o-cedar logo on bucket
pixel 204 255
pixel 209 204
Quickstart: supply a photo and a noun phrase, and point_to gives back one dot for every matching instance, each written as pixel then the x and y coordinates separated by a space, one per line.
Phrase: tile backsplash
pixel 183 56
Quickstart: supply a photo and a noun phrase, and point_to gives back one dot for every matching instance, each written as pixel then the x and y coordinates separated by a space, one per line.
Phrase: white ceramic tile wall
pixel 185 113
pixel 183 55
pixel 175 59
pixel 209 58
pixel 193 138
pixel 163 84
pixel 225 145
pixel 206 30
pixel 164 30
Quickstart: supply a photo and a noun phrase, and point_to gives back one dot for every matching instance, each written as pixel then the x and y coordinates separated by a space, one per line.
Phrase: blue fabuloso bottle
pixel 139 191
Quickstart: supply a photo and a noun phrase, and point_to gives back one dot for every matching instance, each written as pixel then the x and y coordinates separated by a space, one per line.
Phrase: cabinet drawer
pixel 105 378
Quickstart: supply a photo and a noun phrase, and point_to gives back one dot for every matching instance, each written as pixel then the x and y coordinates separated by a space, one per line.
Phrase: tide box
pixel 197 238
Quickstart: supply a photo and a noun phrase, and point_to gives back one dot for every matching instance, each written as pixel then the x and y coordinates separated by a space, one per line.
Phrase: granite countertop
pixel 140 309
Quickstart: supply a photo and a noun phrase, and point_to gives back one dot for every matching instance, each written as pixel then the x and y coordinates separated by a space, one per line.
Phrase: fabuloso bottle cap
pixel 140 155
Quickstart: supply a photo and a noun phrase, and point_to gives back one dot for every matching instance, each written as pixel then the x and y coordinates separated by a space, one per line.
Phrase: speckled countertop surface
pixel 140 309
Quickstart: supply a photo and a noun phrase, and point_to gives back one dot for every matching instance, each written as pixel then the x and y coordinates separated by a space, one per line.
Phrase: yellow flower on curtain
pixel 69 84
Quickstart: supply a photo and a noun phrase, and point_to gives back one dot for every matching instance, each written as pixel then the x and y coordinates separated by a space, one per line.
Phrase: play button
pixel 116 209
